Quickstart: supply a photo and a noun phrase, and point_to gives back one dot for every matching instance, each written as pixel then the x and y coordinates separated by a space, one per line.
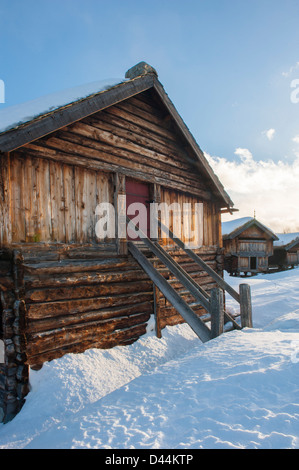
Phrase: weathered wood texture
pixel 165 310
pixel 171 294
pixel 251 243
pixel 217 312
pixel 73 304
pixel 208 233
pixel 51 187
pixel 135 136
pixel 52 202
pixel 14 371
pixel 245 306
pixel 76 299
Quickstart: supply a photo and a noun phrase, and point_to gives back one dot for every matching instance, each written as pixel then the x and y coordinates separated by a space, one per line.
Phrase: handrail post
pixel 217 312
pixel 156 294
pixel 245 306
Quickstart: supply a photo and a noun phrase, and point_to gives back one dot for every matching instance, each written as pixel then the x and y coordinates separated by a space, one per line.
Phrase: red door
pixel 138 192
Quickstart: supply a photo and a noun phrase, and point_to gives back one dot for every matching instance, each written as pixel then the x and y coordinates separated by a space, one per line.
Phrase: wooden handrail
pixel 198 326
pixel 218 279
pixel 183 277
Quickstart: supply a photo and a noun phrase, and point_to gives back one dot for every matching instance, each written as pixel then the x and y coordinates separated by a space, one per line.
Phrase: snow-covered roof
pixel 232 225
pixel 235 227
pixel 286 238
pixel 14 116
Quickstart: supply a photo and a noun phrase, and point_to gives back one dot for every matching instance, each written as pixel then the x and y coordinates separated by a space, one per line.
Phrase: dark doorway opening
pixel 253 262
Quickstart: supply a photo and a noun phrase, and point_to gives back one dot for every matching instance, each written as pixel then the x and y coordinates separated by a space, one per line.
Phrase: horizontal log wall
pixel 76 299
pixel 58 299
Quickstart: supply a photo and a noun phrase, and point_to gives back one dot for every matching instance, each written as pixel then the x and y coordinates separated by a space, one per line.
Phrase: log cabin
pixel 63 289
pixel 285 252
pixel 247 244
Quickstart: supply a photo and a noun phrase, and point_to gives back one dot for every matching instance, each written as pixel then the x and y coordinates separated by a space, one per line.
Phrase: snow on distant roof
pixel 14 116
pixel 231 226
pixel 285 238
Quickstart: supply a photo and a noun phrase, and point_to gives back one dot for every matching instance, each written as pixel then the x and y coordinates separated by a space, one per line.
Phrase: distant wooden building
pixel 247 246
pixel 285 251
pixel 62 288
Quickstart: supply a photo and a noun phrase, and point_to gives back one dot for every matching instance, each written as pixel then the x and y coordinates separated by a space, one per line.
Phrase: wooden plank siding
pixel 54 202
pixel 208 235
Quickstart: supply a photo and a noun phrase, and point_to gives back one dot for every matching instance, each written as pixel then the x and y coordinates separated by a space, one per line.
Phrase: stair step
pixel 198 326
pixel 149 254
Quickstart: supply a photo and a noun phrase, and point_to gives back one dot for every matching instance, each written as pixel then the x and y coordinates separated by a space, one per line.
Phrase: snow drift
pixel 237 391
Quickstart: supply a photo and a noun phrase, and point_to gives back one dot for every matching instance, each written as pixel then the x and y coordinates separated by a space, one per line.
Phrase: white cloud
pixel 269 134
pixel 291 70
pixel 296 139
pixel 244 154
pixel 269 188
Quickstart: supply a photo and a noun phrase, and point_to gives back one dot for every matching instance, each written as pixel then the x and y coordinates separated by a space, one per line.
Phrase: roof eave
pixel 43 125
pixel 235 233
pixel 65 115
pixel 292 244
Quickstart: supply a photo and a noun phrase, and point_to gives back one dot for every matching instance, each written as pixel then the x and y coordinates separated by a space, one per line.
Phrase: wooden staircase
pixel 212 303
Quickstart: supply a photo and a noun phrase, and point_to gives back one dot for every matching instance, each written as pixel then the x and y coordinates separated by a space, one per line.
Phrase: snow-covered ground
pixel 237 391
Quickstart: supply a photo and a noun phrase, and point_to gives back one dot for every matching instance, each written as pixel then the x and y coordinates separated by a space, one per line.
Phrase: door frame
pixel 120 190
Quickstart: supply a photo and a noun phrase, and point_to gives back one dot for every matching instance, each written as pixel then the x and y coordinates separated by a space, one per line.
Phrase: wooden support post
pixel 120 211
pixel 157 311
pixel 217 312
pixel 157 296
pixel 245 306
pixel 155 195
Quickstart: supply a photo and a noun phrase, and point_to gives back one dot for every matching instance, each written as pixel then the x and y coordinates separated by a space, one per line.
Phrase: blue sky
pixel 227 65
